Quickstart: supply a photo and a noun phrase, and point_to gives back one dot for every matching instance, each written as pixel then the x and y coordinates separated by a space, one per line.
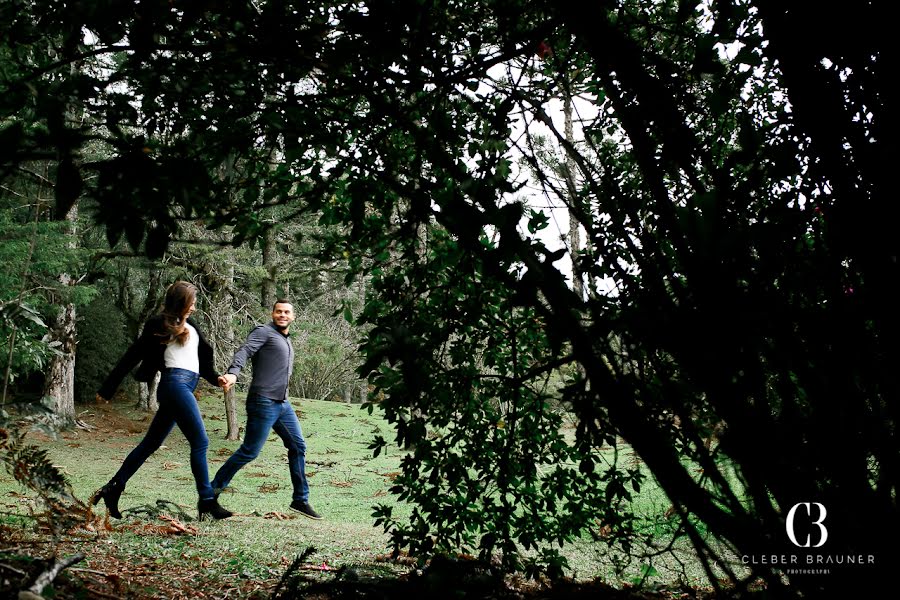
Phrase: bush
pixel 102 339
pixel 325 356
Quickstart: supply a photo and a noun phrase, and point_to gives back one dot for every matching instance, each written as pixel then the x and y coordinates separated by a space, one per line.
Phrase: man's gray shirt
pixel 273 361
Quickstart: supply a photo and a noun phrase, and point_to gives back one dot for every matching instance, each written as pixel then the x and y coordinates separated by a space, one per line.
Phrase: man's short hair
pixel 281 301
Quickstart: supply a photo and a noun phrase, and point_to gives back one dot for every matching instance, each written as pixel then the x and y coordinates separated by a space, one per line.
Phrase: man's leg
pixel 288 429
pixel 261 414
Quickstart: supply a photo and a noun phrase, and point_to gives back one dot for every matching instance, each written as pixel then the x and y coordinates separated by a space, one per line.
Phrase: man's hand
pixel 227 380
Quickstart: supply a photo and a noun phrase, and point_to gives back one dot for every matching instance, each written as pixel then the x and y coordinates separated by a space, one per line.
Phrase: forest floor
pixel 160 550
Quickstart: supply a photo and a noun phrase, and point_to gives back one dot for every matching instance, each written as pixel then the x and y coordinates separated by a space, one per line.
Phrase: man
pixel 267 404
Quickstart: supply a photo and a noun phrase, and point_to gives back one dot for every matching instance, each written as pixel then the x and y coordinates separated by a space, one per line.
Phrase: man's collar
pixel 275 327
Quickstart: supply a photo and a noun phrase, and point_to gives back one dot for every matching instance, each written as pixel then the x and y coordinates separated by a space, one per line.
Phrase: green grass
pixel 345 483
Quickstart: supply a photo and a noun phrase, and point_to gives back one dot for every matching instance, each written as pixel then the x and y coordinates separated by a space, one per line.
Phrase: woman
pixel 170 343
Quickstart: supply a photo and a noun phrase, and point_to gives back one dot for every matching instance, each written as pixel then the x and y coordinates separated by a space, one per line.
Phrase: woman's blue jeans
pixel 177 406
pixel 264 415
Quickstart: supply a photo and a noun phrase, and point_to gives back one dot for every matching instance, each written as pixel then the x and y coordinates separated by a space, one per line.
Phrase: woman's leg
pixel 159 429
pixel 186 413
pixel 162 423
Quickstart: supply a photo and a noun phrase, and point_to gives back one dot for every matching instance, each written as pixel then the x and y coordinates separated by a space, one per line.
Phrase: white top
pixel 186 356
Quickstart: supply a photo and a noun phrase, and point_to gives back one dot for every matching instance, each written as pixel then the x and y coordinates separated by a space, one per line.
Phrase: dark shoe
pixel 305 509
pixel 213 509
pixel 110 494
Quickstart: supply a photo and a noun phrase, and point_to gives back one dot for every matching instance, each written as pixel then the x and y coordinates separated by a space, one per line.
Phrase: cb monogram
pixel 789 525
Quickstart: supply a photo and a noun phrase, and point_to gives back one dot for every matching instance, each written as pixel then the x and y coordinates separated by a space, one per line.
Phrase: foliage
pixel 30 466
pixel 102 341
pixel 325 355
pixel 34 252
pixel 733 186
pixel 31 347
pixel 465 376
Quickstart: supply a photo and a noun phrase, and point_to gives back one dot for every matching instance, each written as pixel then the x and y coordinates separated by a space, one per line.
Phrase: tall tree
pixel 60 382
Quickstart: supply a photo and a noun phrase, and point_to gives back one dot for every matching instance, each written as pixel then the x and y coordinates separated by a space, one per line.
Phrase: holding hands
pixel 227 380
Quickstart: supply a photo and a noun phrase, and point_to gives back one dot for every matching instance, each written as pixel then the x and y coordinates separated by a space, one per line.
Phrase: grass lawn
pixel 143 555
pixel 264 536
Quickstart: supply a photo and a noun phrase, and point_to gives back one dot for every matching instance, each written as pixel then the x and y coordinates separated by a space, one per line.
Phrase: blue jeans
pixel 264 415
pixel 177 406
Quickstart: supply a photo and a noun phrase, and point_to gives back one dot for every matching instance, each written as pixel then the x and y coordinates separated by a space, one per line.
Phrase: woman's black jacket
pixel 149 350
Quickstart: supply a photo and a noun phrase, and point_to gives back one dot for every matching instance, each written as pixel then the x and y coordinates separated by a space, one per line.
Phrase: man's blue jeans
pixel 264 415
pixel 177 406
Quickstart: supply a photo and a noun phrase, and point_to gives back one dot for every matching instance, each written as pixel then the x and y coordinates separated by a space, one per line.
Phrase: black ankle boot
pixel 213 509
pixel 110 494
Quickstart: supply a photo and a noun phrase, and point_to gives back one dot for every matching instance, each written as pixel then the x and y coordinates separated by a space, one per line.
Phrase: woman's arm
pixel 137 352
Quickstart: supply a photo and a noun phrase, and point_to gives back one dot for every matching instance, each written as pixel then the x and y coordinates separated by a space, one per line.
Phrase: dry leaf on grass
pixel 170 526
pixel 278 516
pixel 177 526
pixel 401 559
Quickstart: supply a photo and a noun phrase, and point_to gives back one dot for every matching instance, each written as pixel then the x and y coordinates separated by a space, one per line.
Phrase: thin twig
pixel 12 568
pixel 80 570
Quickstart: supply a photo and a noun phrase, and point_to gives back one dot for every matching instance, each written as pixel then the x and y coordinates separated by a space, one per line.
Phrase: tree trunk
pixel 363 381
pixel 572 190
pixel 147 399
pixel 268 257
pixel 60 382
pixel 147 391
pixel 232 432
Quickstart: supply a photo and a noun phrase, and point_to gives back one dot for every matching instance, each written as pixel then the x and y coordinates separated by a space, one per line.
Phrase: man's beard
pixel 282 329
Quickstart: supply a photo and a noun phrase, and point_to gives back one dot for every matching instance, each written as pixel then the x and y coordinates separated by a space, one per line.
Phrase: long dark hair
pixel 179 298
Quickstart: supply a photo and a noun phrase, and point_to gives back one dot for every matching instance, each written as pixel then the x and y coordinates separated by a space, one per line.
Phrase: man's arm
pixel 254 342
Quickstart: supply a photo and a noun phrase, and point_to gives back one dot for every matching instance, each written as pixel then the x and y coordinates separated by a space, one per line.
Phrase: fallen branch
pixel 45 578
pixel 82 425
